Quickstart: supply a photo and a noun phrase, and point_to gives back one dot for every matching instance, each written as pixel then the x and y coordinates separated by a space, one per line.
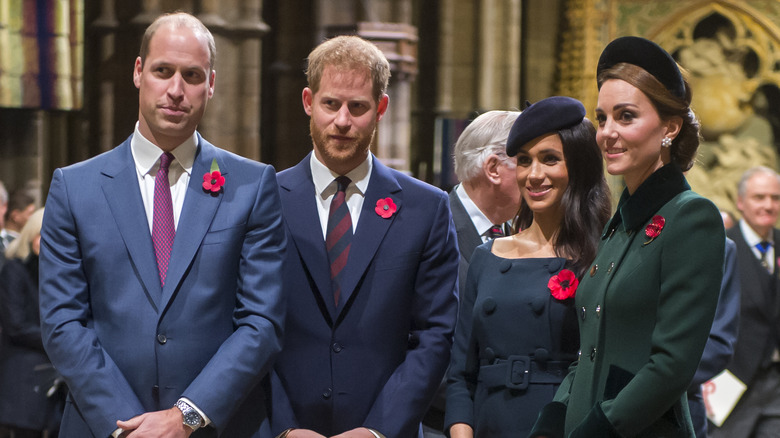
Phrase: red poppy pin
pixel 564 285
pixel 213 180
pixel 654 228
pixel 385 207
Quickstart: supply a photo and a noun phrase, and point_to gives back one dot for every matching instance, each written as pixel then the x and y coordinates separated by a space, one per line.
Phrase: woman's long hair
pixel 21 247
pixel 586 201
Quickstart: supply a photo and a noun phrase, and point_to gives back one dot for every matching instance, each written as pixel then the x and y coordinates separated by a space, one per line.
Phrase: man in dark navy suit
pixel 371 283
pixel 756 360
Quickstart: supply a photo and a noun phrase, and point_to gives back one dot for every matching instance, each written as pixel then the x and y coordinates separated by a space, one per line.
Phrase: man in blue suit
pixel 371 284
pixel 160 300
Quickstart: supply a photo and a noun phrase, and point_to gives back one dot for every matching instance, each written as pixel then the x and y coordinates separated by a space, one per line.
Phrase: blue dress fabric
pixel 513 344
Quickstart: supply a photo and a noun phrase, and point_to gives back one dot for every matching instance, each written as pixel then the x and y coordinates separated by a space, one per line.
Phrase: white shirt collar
pixel 751 237
pixel 324 178
pixel 481 222
pixel 146 154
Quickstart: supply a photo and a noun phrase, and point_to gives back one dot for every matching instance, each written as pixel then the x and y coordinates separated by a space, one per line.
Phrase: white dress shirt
pixel 147 162
pixel 325 187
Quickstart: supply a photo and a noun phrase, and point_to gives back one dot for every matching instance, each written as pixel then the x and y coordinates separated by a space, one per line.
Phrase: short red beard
pixel 346 151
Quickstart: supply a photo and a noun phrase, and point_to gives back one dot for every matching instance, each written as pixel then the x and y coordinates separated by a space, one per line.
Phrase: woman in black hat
pixel 647 302
pixel 517 330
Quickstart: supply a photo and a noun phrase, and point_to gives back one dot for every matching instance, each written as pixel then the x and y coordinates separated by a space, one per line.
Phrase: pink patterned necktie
pixel 163 230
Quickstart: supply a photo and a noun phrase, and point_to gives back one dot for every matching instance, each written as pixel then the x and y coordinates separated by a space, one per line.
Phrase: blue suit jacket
pixel 376 359
pixel 127 346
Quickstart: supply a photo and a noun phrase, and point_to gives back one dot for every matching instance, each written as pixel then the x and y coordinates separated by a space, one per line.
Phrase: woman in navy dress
pixel 517 330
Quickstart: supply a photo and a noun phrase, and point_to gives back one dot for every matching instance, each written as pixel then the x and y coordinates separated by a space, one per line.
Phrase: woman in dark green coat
pixel 648 300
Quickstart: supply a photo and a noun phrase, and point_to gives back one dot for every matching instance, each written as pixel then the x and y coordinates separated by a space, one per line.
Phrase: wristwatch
pixel 192 418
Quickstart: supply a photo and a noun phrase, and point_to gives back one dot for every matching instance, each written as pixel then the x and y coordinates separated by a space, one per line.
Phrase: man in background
pixel 19 208
pixel 756 360
pixel 483 204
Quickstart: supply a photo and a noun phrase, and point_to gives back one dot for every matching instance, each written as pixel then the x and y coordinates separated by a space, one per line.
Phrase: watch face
pixel 192 419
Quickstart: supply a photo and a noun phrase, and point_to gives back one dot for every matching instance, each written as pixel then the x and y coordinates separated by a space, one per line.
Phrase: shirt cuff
pixel 206 420
pixel 117 432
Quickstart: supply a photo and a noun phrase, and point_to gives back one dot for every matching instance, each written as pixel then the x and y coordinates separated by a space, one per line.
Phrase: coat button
pixel 598 311
pixel 326 393
pixel 593 354
pixel 611 266
pixel 593 270
pixel 162 339
pixel 336 347
pixel 582 313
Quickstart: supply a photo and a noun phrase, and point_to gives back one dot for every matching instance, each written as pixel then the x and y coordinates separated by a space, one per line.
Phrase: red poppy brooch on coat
pixel 654 228
pixel 385 207
pixel 564 285
pixel 213 180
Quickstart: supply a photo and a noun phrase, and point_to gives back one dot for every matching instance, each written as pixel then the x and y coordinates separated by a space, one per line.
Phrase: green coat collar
pixel 634 210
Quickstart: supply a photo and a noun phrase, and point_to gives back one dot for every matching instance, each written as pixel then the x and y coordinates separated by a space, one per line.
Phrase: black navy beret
pixel 647 55
pixel 548 115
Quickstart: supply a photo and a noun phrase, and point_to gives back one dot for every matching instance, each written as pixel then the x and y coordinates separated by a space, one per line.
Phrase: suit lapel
pixel 196 217
pixel 300 212
pixel 371 228
pixel 468 236
pixel 123 196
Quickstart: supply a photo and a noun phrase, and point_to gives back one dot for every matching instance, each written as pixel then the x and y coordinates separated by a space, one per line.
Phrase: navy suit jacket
pixel 127 346
pixel 720 344
pixel 375 360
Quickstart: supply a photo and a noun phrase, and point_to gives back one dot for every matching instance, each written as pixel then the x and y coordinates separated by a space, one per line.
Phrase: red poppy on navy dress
pixel 385 207
pixel 564 285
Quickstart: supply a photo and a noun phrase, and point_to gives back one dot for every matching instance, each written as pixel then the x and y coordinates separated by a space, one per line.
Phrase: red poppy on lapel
pixel 213 180
pixel 385 207
pixel 654 228
pixel 564 285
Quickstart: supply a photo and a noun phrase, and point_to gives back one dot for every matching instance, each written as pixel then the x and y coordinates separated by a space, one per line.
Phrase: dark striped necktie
pixel 495 231
pixel 338 237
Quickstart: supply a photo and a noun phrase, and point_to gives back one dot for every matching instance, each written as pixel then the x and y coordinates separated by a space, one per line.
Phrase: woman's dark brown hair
pixel 585 202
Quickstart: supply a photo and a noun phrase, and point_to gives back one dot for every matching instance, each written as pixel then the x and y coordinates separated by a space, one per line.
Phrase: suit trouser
pixel 757 414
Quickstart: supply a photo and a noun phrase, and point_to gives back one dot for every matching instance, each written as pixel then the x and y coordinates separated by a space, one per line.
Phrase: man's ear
pixel 490 167
pixel 382 107
pixel 307 97
pixel 137 70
